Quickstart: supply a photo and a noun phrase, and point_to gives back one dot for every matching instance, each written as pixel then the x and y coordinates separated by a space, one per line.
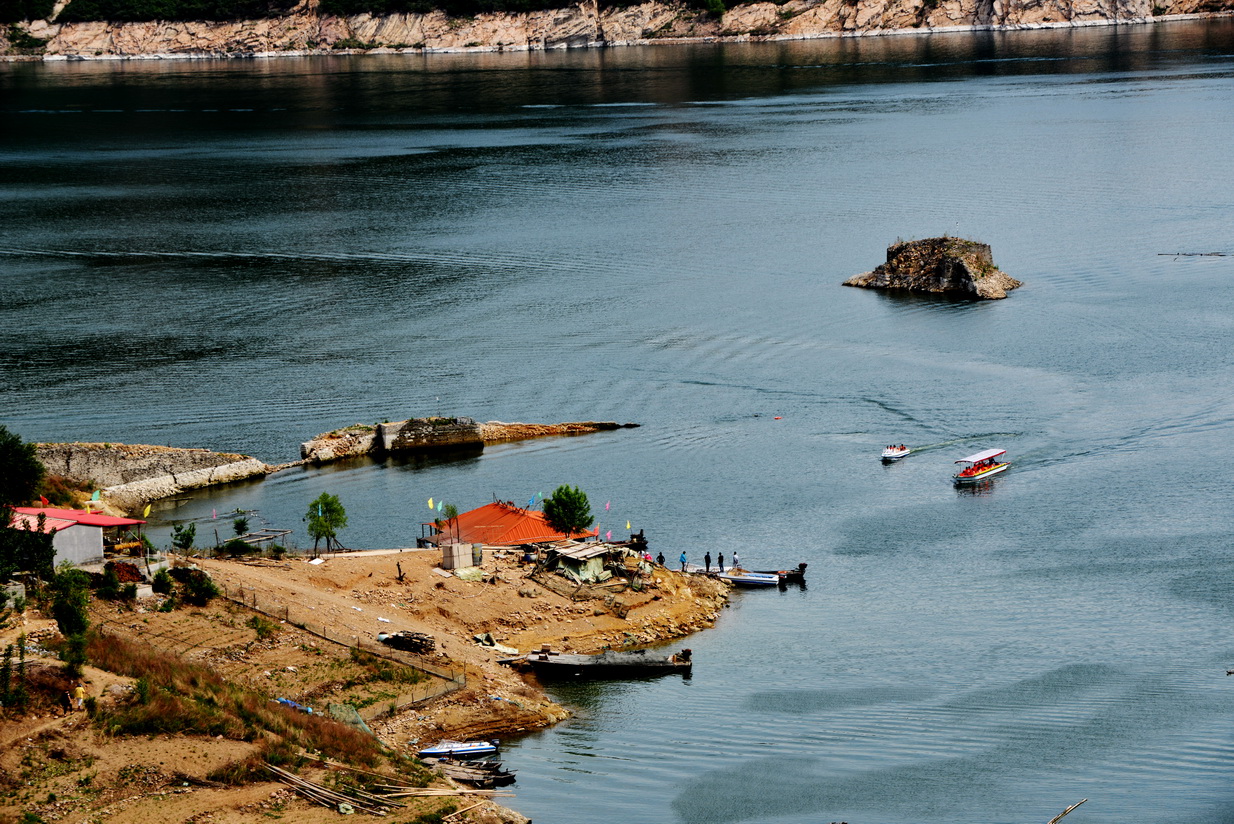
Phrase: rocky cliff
pixel 305 30
pixel 132 474
pixel 940 265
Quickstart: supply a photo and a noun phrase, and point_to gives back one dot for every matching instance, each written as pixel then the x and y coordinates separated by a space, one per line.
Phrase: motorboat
pixel 742 578
pixel 894 453
pixel 459 749
pixel 484 775
pixel 608 664
pixel 980 466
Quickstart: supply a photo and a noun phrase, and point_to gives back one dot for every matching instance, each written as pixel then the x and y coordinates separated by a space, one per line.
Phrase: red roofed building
pixel 501 523
pixel 77 534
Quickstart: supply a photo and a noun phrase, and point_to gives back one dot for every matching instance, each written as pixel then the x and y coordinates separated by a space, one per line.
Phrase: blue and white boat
pixel 741 578
pixel 459 749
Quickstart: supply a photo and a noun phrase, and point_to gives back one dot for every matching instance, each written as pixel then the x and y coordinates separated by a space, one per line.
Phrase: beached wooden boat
pixel 797 575
pixel 980 466
pixel 484 775
pixel 610 664
pixel 458 749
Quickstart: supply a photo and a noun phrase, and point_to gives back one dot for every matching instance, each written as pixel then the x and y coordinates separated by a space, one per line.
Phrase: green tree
pixel 182 536
pixel 26 550
pixel 21 471
pixel 326 516
pixel 240 525
pixel 70 596
pixel 568 510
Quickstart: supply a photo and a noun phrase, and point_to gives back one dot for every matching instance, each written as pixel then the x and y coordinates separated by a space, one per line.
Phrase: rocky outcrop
pixel 133 474
pixel 940 265
pixel 583 24
pixel 428 434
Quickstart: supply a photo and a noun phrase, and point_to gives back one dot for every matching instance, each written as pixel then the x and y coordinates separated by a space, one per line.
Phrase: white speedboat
pixel 894 453
pixel 459 749
pixel 742 578
pixel 980 466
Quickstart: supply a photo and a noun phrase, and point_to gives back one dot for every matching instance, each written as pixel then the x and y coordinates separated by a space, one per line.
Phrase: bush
pixel 162 583
pixel 237 548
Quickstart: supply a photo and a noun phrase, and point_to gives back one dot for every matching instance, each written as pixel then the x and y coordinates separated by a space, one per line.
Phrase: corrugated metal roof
pixel 24 520
pixel 501 523
pixel 588 550
pixel 78 516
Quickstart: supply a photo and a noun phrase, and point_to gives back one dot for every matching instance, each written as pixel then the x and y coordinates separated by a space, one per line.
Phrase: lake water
pixel 240 255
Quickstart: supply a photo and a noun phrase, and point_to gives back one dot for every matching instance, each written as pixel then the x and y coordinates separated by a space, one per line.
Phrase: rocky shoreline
pixel 305 31
pixel 131 475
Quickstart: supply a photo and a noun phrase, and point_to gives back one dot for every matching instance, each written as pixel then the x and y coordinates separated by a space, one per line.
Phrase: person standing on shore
pixel 720 561
pixel 660 558
pixel 683 560
pixel 707 561
pixel 736 561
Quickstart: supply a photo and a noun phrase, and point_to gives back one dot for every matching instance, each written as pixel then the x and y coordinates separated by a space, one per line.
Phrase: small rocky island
pixel 949 266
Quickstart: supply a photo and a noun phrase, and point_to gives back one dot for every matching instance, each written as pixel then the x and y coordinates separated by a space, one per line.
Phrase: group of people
pixel 895 448
pixel 707 561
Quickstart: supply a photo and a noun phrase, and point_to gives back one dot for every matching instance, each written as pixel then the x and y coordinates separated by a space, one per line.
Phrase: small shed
pixel 78 536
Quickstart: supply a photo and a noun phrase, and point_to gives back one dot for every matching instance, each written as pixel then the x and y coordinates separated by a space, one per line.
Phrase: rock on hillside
pixel 941 265
pixel 583 24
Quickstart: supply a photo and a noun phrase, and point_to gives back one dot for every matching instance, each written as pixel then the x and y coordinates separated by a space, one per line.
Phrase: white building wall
pixel 79 544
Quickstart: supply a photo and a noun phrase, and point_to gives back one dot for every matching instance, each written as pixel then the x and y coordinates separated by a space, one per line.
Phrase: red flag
pixel 44 500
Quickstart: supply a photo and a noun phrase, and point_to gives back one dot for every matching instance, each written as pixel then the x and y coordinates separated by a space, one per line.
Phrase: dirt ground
pixel 74 773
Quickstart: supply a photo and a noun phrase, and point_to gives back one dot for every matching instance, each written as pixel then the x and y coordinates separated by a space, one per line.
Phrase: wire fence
pixel 443 680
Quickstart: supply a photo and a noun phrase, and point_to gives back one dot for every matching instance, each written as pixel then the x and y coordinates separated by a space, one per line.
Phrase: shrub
pixel 162 583
pixel 264 627
pixel 237 548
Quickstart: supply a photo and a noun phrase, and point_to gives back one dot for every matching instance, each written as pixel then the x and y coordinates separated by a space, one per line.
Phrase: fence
pixel 446 679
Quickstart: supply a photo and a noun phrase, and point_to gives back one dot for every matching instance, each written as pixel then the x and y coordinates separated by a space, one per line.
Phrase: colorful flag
pixel 44 500
pixel 627 524
pixel 95 496
pixel 145 513
pixel 430 504
pixel 214 514
pixel 440 504
pixel 608 536
pixel 531 502
pixel 606 505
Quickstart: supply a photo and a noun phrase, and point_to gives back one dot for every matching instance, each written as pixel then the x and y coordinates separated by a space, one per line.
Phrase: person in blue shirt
pixel 683 561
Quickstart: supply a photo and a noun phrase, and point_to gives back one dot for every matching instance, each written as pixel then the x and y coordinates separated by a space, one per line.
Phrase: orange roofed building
pixel 500 523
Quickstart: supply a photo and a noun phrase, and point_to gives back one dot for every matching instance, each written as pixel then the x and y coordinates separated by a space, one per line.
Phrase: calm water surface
pixel 239 255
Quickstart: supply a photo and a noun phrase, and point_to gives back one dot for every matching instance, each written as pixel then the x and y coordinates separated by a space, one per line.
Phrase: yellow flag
pixel 145 513
pixel 430 504
pixel 627 524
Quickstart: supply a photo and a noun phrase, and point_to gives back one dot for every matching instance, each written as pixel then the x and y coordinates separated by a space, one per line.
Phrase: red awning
pixel 79 516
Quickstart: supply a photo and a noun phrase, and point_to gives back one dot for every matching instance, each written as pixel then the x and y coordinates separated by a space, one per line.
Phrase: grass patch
pixel 174 696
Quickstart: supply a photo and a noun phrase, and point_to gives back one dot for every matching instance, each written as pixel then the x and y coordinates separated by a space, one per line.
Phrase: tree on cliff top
pixel 326 517
pixel 567 510
pixel 21 472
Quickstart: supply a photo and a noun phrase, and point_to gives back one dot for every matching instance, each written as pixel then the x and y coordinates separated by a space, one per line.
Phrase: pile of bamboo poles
pixel 360 801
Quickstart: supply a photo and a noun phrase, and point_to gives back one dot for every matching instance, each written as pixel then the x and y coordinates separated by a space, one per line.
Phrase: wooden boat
pixel 610 664
pixel 484 775
pixel 894 453
pixel 787 576
pixel 980 466
pixel 457 749
pixel 744 578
